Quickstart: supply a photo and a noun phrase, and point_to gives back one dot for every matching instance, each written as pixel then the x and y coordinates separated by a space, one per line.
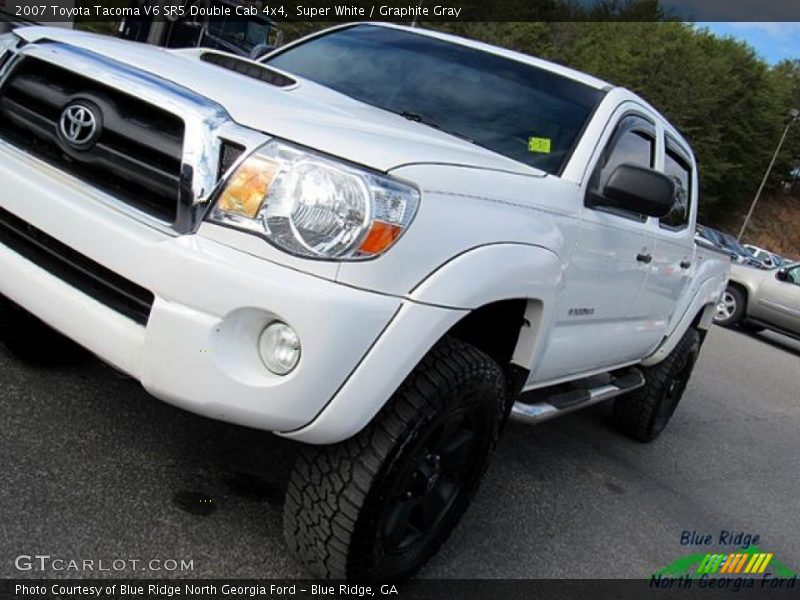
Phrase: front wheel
pixel 378 506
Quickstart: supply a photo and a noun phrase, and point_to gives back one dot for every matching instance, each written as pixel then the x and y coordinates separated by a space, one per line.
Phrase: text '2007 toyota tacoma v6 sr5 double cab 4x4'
pixel 379 241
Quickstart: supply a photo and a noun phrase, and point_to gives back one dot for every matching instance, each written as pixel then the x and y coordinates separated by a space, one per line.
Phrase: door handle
pixel 685 264
pixel 644 258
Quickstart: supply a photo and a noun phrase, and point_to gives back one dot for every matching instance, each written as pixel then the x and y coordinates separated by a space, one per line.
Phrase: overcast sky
pixel 773 41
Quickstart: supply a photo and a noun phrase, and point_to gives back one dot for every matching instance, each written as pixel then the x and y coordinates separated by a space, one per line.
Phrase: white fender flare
pixel 473 279
pixel 704 300
pixel 492 273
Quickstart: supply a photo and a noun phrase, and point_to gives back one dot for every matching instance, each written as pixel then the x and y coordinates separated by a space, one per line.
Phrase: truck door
pixel 663 299
pixel 599 323
pixel 779 300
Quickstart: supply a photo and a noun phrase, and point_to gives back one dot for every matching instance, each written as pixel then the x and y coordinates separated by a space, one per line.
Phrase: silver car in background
pixel 760 299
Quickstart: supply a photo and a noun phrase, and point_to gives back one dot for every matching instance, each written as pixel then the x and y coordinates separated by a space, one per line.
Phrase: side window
pixel 677 167
pixel 635 147
pixel 634 143
pixel 793 275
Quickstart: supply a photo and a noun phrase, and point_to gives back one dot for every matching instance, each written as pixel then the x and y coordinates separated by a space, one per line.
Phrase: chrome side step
pixel 542 405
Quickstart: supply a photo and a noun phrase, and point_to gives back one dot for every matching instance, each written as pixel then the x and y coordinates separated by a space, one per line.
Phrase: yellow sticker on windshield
pixel 538 144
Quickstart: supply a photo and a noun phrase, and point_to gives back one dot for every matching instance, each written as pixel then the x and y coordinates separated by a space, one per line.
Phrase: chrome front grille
pixel 137 154
pixel 159 149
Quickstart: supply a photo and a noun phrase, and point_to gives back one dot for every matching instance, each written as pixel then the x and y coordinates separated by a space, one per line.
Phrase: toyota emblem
pixel 79 125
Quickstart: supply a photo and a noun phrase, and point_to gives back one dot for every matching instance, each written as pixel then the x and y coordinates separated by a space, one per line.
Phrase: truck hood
pixel 307 113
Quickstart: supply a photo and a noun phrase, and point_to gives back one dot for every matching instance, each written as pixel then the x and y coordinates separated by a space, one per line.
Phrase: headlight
pixel 314 206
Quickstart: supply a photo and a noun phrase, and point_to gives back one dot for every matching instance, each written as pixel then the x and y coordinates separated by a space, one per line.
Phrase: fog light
pixel 279 347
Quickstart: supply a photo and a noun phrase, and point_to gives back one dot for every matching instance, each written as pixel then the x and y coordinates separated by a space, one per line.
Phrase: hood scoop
pixel 248 68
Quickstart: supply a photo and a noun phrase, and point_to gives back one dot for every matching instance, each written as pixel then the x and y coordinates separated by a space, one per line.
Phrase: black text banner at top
pixel 67 11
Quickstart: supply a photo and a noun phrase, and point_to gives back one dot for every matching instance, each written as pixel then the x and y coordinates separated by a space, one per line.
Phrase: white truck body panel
pixel 488 229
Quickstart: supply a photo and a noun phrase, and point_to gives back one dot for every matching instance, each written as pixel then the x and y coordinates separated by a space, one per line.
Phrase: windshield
pixel 523 112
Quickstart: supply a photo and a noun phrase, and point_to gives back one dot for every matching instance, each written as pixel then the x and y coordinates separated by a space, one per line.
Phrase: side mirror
pixel 638 190
pixel 782 275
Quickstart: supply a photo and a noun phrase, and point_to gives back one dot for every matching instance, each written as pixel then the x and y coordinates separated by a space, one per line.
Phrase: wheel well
pixel 700 322
pixel 494 330
pixel 742 289
pixel 739 287
pixel 699 326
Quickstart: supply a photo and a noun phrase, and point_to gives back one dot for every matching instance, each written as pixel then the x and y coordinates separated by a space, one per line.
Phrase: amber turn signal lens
pixel 381 235
pixel 248 187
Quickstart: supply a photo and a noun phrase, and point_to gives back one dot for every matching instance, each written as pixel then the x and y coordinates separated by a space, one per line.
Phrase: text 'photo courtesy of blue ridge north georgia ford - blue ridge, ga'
pixel 321 299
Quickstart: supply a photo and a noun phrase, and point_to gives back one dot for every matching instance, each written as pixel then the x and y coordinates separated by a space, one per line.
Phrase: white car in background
pixel 768 259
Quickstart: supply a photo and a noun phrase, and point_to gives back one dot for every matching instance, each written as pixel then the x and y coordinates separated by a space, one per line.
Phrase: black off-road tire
pixel 346 504
pixel 32 341
pixel 644 413
pixel 732 307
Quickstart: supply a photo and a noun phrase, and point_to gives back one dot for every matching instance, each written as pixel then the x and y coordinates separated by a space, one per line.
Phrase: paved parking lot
pixel 93 468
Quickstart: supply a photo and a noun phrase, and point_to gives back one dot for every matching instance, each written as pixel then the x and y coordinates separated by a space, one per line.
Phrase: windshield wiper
pixel 417 118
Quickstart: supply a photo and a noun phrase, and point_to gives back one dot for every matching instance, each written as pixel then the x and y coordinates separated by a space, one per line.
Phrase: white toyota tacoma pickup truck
pixel 378 241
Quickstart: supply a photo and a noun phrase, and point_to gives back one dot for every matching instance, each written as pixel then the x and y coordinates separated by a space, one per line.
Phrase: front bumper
pixel 198 349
